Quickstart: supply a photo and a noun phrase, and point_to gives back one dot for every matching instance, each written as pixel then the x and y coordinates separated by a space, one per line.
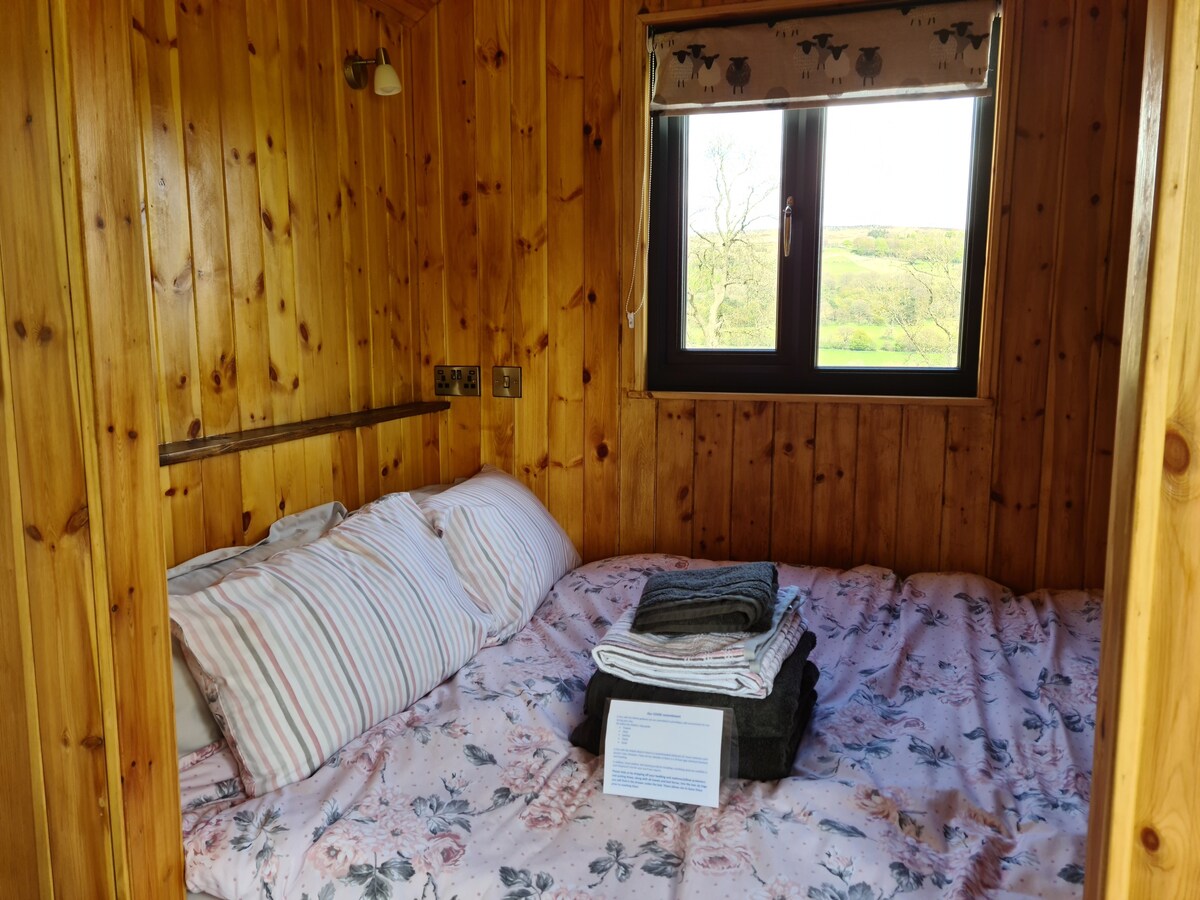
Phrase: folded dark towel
pixel 768 730
pixel 701 601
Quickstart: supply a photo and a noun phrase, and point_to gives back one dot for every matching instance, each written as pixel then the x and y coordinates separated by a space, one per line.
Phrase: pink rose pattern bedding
pixel 949 755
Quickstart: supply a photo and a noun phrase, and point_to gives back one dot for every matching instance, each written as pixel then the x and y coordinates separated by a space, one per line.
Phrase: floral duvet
pixel 949 755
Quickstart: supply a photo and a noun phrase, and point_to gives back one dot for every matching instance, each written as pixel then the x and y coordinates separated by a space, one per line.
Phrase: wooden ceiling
pixel 411 11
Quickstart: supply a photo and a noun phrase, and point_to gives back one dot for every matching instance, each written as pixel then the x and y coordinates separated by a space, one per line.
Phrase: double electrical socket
pixel 456 381
pixel 463 381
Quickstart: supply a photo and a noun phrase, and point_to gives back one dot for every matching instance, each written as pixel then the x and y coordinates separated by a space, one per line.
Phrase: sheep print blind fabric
pixel 932 50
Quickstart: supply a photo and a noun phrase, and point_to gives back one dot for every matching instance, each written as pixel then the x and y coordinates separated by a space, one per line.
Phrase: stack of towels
pixel 726 637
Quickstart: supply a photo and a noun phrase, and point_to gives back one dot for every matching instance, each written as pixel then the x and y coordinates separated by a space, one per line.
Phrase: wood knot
pixel 19 328
pixel 1177 455
pixel 78 520
pixel 602 450
pixel 33 533
pixel 1150 839
pixel 246 521
pixel 92 742
pixel 194 429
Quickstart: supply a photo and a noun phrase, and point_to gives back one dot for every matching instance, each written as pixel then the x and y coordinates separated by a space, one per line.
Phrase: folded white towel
pixel 736 663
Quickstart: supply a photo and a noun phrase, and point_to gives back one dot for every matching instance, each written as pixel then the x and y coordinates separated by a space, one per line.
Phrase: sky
pixel 896 164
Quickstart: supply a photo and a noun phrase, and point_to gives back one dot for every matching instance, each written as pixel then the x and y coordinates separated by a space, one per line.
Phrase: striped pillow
pixel 505 546
pixel 300 653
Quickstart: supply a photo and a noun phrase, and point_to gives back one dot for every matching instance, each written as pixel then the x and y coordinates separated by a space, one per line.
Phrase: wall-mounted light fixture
pixel 387 82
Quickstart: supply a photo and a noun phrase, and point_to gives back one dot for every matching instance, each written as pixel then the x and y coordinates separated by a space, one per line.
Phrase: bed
pixel 949 755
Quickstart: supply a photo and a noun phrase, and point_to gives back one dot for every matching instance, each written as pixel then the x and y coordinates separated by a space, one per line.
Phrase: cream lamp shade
pixel 387 82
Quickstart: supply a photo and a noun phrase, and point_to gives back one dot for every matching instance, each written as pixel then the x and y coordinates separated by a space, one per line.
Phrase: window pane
pixel 894 216
pixel 733 214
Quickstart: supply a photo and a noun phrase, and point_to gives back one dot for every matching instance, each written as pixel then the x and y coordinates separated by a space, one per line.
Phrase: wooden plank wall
pixel 1145 809
pixel 279 207
pixel 528 247
pixel 55 776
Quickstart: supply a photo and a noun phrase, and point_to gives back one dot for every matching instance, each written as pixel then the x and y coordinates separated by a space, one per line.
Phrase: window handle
pixel 787 227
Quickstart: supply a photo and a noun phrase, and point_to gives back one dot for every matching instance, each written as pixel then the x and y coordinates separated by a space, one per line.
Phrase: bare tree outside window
pixel 732 236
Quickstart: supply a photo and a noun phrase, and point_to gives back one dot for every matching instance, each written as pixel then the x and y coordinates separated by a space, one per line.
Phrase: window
pixel 830 250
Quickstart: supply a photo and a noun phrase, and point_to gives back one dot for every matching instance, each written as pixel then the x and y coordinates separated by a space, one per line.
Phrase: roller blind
pixel 931 50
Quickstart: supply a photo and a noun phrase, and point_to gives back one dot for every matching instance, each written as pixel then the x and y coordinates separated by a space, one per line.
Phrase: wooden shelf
pixel 235 442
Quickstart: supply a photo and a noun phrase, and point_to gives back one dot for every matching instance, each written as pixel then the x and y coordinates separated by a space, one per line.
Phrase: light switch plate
pixel 456 381
pixel 506 381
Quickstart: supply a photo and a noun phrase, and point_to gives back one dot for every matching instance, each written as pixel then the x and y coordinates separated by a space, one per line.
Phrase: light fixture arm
pixel 355 67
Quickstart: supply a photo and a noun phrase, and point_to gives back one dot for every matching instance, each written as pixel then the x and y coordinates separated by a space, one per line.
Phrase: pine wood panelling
pixel 1147 837
pixel 676 477
pixel 396 373
pixel 921 488
pixel 116 362
pixel 204 135
pixel 714 460
pixel 1043 53
pixel 966 495
pixel 259 506
pixel 23 827
pixel 531 337
pixel 639 455
pixel 497 239
pixel 1109 339
pixel 247 366
pixel 835 462
pixel 183 496
pixel 994 479
pixel 357 256
pixel 269 376
pixel 876 489
pixel 408 11
pixel 602 314
pixel 52 501
pixel 1082 276
pixel 281 248
pixel 457 73
pixel 792 482
pixel 565 267
pixel 156 78
pixel 427 142
pixel 753 450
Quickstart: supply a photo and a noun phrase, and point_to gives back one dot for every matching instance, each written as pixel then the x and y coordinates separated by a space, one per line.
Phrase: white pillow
pixel 194 724
pixel 300 653
pixel 507 548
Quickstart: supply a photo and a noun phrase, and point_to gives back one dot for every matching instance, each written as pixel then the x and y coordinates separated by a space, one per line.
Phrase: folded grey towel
pixel 704 601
